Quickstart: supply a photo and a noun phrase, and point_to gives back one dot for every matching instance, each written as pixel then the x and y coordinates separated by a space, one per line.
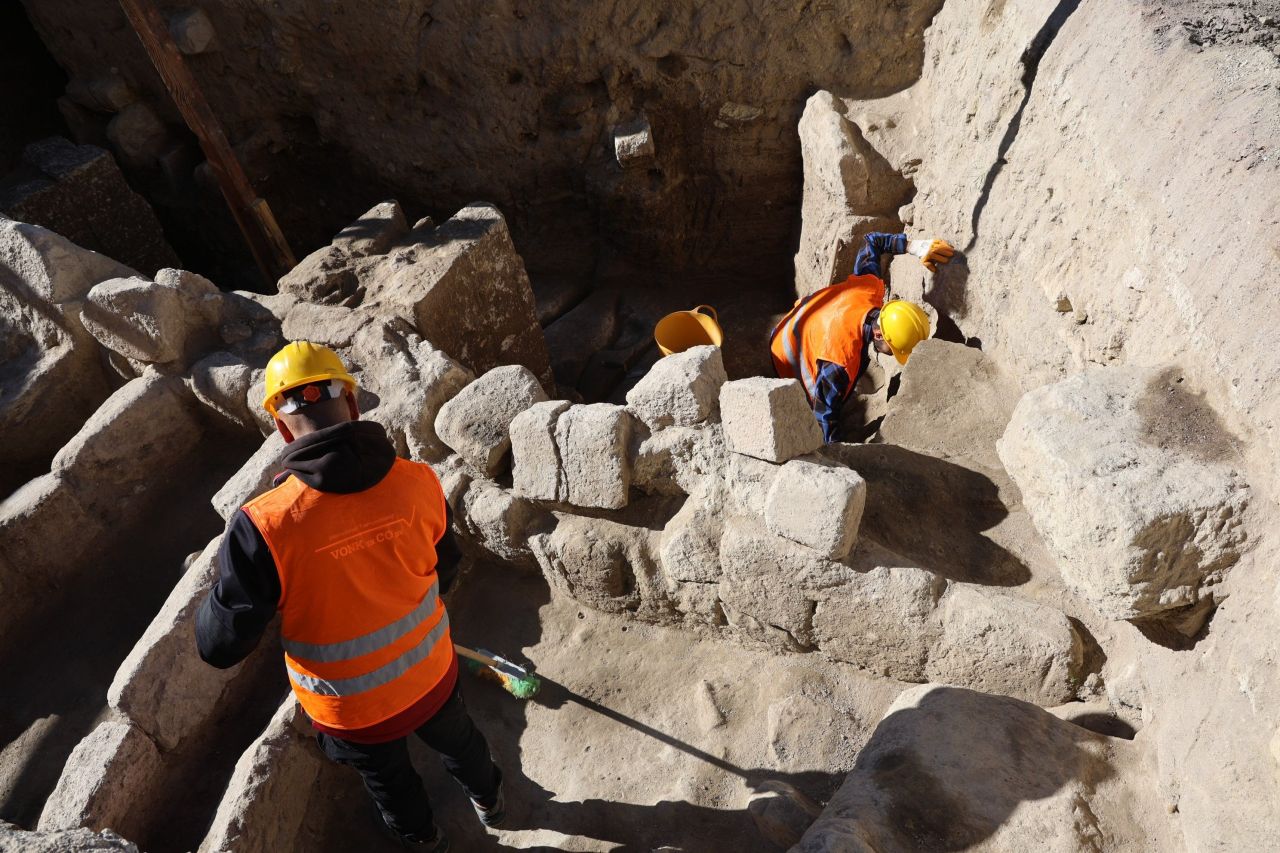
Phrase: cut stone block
pixel 593 441
pixel 535 459
pixel 690 547
pixel 476 423
pixel 465 289
pixel 1131 479
pixel 502 523
pixel 266 800
pixel 817 504
pixel 52 267
pixel 883 621
pixel 678 460
pixel 105 778
pixel 1000 644
pixel 750 480
pixel 147 419
pixel 679 390
pixel 769 419
pixel 162 685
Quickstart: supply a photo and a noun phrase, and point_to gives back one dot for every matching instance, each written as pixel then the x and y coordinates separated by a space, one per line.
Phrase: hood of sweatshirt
pixel 348 457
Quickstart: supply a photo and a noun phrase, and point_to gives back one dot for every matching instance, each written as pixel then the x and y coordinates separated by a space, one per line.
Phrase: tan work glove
pixel 931 252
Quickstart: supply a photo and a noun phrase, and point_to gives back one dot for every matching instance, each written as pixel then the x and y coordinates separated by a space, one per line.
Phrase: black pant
pixel 396 787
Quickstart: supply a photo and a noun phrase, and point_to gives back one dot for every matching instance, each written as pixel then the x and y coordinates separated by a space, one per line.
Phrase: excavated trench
pixel 715 709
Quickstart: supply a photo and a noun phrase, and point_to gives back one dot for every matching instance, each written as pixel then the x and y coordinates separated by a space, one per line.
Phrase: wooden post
pixel 251 213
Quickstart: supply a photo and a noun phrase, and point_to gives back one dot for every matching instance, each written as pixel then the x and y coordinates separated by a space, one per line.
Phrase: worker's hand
pixel 931 252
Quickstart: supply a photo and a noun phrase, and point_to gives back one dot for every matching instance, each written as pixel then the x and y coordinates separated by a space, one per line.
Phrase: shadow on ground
pixel 499 609
pixel 933 512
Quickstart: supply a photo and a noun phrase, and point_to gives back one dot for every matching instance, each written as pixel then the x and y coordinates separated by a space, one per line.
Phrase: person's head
pixel 307 389
pixel 900 327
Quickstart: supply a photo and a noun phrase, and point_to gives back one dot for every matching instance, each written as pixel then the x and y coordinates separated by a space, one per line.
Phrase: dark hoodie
pixel 346 458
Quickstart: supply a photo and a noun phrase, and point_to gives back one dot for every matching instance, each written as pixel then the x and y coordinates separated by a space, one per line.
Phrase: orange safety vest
pixel 365 633
pixel 826 326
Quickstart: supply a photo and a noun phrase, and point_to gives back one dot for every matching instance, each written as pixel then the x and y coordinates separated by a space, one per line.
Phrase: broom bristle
pixel 521 688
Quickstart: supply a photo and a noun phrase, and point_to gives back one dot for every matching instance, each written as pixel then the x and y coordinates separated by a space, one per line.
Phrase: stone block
pixel 15 840
pixel 326 276
pixel 1000 644
pixel 883 621
pixel 172 318
pixel 51 268
pixel 477 422
pixel 162 685
pixel 253 478
pixel 818 504
pixel 1045 794
pixel 769 419
pixel 593 441
pixel 1132 480
pixel 749 480
pixel 148 419
pixel 594 561
pixel 633 143
pixel 465 289
pixel 266 799
pixel 678 460
pixel 682 389
pixel 221 381
pixel 413 381
pixel 535 459
pixel 502 523
pixel 690 545
pixel 192 31
pixel 138 135
pixel 106 781
pixel 375 232
pixel 775 582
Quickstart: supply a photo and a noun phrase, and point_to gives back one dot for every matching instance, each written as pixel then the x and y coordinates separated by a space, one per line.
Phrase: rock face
pixel 938 774
pixel 14 840
pixel 108 769
pixel 1131 478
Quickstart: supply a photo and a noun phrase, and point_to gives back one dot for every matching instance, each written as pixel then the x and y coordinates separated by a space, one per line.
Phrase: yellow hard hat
pixel 301 363
pixel 904 324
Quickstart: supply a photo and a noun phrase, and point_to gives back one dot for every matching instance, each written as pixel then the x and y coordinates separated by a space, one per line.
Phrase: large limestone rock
pixel 106 777
pixel 163 686
pixel 157 321
pixel 817 504
pixel 266 799
pixel 465 289
pixel 593 441
pixel 477 422
pixel 15 840
pixel 769 419
pixel 939 773
pixel 604 564
pixel 535 459
pixel 501 522
pixel 50 267
pixel 413 380
pixel 679 390
pixel 1132 480
pixel 253 478
pixel 849 190
pixel 679 460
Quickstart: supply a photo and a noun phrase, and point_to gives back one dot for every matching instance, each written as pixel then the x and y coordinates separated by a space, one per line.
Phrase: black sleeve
pixel 448 555
pixel 236 611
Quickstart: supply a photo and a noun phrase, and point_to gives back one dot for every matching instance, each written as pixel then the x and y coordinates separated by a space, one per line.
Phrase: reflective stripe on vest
pixel 791 346
pixel 371 642
pixel 380 676
pixel 365 634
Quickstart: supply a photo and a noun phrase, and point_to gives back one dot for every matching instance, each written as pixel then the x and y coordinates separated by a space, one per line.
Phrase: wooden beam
pixel 251 213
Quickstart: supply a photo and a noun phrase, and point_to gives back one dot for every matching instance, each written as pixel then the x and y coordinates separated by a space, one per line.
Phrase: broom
pixel 516 680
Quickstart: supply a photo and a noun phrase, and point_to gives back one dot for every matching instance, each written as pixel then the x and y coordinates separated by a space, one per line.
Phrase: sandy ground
pixel 642 737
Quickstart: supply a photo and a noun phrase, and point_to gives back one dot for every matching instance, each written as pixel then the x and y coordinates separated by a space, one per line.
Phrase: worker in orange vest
pixel 825 340
pixel 353 548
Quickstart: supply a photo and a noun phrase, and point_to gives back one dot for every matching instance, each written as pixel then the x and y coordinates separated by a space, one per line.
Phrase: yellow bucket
pixel 682 330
